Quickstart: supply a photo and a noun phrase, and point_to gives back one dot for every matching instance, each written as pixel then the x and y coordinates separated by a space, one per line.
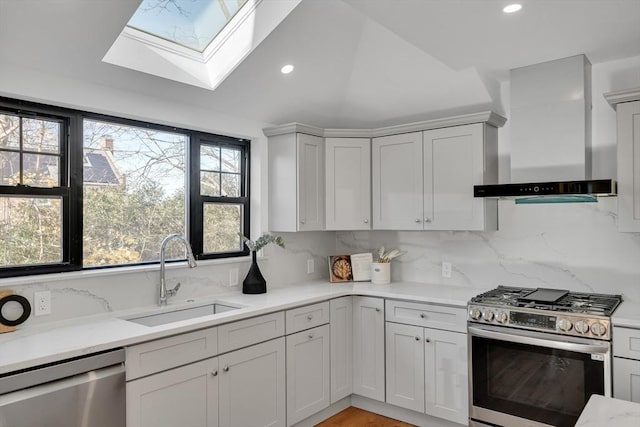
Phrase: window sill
pixel 103 272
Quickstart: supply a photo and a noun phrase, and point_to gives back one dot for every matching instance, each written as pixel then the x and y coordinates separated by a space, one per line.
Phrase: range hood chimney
pixel 551 135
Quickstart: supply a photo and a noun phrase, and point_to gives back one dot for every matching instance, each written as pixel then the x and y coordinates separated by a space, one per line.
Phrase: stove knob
pixel 598 329
pixel 502 317
pixel 476 314
pixel 581 327
pixel 565 325
pixel 488 315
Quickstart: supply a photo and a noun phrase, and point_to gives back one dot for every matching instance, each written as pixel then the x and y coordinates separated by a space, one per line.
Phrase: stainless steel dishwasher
pixel 87 391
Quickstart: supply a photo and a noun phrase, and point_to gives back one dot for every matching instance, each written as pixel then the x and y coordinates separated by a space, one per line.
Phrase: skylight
pixel 193 24
pixel 197 42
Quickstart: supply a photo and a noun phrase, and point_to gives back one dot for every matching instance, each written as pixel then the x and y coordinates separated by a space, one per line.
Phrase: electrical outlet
pixel 446 269
pixel 42 303
pixel 310 266
pixel 233 277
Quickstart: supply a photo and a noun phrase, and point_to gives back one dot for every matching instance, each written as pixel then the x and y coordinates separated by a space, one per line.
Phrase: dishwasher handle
pixel 58 370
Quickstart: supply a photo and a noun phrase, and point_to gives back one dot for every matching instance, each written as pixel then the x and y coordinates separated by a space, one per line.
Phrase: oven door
pixel 524 378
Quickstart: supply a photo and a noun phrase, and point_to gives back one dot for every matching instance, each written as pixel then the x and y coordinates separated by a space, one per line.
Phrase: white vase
pixel 380 273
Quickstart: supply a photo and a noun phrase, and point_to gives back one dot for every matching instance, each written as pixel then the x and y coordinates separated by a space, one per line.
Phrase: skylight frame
pixel 196 47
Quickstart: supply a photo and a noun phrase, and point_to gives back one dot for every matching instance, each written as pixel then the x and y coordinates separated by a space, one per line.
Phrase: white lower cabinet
pixel 626 363
pixel 426 368
pixel 252 385
pixel 341 314
pixel 185 396
pixel 405 366
pixel 307 373
pixel 245 387
pixel 368 347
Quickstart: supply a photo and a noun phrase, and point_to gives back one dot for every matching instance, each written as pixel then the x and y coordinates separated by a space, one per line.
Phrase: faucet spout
pixel 164 293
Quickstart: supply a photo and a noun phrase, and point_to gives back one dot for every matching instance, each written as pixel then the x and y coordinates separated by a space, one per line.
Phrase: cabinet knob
pixel 427 339
pixel 428 220
pixel 417 338
pixel 214 373
pixel 422 315
pixel 310 317
pixel 310 336
pixel 378 310
pixel 302 222
pixel 366 221
pixel 418 220
pixel 226 368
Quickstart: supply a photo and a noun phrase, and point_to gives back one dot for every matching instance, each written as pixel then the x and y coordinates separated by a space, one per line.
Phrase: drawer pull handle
pixel 422 315
pixel 310 317
pixel 226 368
pixel 427 339
pixel 214 373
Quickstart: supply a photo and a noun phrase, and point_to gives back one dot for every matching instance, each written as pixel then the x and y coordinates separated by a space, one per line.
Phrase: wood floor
pixel 355 417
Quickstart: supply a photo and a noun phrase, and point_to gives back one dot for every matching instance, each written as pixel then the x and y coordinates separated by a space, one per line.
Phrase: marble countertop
pixel 57 341
pixel 627 315
pixel 607 411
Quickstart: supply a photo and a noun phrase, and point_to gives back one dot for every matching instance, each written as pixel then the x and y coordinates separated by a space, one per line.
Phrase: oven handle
pixel 541 342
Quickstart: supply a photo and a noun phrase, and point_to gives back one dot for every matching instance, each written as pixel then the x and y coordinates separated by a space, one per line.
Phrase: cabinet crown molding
pixel 620 96
pixel 488 117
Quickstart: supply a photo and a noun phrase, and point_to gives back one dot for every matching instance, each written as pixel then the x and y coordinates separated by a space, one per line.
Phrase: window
pixel 34 191
pixel 220 202
pixel 79 190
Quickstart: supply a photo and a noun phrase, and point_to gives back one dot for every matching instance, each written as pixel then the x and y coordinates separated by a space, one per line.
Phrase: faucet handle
pixel 172 292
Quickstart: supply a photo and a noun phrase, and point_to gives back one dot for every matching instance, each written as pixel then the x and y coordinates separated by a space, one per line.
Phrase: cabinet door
pixel 453 164
pixel 252 386
pixel 629 166
pixel 307 373
pixel 447 394
pixel 310 182
pixel 405 366
pixel 185 396
pixel 348 183
pixel 626 379
pixel 397 182
pixel 368 347
pixel 341 313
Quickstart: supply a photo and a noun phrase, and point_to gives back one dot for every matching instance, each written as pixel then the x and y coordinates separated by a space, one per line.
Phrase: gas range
pixel 547 310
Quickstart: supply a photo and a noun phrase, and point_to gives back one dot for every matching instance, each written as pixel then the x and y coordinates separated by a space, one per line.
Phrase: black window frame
pixel 71 174
pixel 197 200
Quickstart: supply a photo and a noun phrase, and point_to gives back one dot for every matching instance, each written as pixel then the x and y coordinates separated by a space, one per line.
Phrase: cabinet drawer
pixel 250 331
pixel 427 315
pixel 626 342
pixel 307 317
pixel 154 356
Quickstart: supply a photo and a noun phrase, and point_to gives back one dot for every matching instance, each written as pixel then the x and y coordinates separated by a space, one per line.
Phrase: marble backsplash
pixel 572 246
pixel 108 290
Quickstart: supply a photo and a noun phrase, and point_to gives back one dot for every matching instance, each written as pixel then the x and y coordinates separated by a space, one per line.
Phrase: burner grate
pixel 572 302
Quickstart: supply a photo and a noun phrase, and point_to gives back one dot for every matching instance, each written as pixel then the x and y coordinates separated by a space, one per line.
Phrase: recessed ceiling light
pixel 512 8
pixel 286 69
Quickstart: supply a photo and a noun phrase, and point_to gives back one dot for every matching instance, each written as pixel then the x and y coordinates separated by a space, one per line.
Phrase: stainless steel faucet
pixel 164 293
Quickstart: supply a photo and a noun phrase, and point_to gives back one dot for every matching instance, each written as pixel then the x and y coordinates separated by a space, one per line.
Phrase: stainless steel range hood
pixel 550 127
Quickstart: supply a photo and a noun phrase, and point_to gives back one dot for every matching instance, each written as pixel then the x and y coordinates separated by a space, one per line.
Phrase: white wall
pixel 573 246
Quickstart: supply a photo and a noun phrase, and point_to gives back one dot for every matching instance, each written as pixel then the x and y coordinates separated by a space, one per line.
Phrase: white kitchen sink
pixel 158 319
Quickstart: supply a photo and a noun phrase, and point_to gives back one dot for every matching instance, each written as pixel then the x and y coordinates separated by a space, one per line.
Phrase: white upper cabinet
pixel 296 182
pixel 348 183
pixel 424 180
pixel 397 182
pixel 627 105
pixel 416 176
pixel 455 159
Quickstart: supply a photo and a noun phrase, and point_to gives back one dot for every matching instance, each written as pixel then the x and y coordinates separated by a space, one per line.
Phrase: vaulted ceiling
pixel 359 63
